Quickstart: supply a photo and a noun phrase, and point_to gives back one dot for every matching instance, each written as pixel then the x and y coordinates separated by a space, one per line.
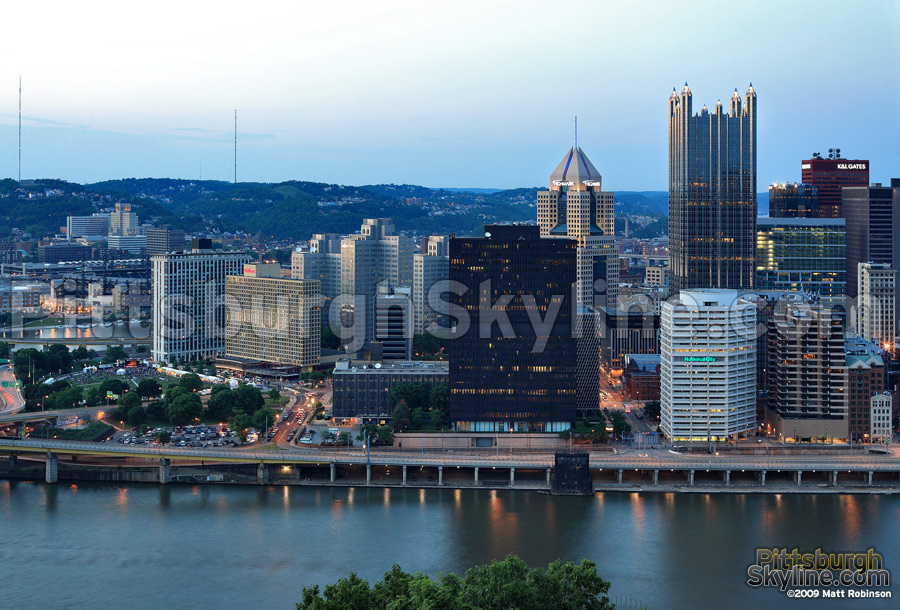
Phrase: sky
pixel 442 94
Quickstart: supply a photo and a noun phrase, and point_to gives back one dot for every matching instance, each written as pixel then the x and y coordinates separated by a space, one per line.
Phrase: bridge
pixel 30 416
pixel 121 341
pixel 609 471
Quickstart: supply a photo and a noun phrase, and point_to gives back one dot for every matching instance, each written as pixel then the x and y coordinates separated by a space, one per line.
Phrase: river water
pixel 180 546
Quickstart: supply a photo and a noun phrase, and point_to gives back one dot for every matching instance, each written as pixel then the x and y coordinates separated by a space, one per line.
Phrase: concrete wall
pixel 484 441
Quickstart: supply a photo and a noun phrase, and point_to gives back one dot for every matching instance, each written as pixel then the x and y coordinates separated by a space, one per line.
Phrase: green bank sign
pixel 699 359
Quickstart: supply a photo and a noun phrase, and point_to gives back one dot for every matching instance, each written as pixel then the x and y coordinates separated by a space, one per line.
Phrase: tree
pixel 651 410
pixel 4 349
pixel 149 388
pixel 157 409
pixel 184 409
pixel 83 353
pixel 415 394
pixel 164 437
pixel 129 400
pixel 248 399
pixel 274 394
pixel 330 340
pixel 191 382
pixel 439 397
pixel 400 417
pixel 66 398
pixel 417 419
pixel 113 354
pixel 262 418
pixel 499 585
pixel 385 436
pixel 221 404
pixel 173 392
pixel 116 386
pixel 239 424
pixel 137 415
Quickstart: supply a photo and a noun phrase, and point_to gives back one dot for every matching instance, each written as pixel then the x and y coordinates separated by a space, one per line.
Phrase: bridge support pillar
pixel 870 477
pixel 727 477
pixel 165 471
pixel 51 474
pixel 691 479
pixel 333 472
pixel 476 475
pixel 762 477
pixel 440 475
pixel 834 477
pixel 548 476
pixel 20 430
pixel 404 474
pixel 799 477
pixel 512 477
pixel 619 475
pixel 262 474
pixel 368 474
pixel 12 463
pixel 656 477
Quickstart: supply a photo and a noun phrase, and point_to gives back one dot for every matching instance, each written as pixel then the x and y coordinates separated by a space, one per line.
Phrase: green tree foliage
pixel 191 382
pixel 137 415
pixel 248 399
pixel 157 409
pixel 415 395
pixel 164 437
pixel 173 392
pixel 262 418
pixel 65 398
pixel 274 394
pixel 221 404
pixel 4 349
pixel 400 420
pixel 82 353
pixel 129 400
pixel 184 409
pixel 429 347
pixel 651 410
pixel 149 388
pixel 31 365
pixel 114 354
pixel 116 386
pixel 330 340
pixel 240 425
pixel 500 585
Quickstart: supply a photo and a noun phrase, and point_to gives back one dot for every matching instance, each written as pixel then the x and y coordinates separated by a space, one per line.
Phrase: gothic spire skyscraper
pixel 712 193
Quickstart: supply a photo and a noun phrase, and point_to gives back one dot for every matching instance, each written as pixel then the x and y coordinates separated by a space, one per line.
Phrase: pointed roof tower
pixel 576 172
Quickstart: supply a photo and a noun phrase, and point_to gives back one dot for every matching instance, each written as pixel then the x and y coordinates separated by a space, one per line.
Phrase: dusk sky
pixel 451 94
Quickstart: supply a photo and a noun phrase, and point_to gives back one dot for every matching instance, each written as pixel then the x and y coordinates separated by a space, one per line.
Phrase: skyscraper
pixel 164 239
pixel 876 307
pixel 323 263
pixel 508 370
pixel 788 200
pixel 829 176
pixel 123 221
pixel 712 193
pixel 429 268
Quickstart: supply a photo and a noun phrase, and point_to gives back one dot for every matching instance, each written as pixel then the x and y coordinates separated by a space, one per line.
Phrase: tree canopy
pixel 500 585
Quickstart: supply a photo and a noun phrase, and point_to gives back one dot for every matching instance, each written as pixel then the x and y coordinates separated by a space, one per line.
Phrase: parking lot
pixel 199 437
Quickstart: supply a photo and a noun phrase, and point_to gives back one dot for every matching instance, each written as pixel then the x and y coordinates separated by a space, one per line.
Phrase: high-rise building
pixel 829 176
pixel 513 354
pixel 707 366
pixel 393 323
pixel 362 389
pixel 429 269
pixel 788 200
pixel 802 254
pixel 576 206
pixel 865 378
pixel 322 263
pixel 627 331
pixel 807 373
pixel 165 239
pixel 272 319
pixel 59 253
pixel 876 307
pixel 587 360
pixel 873 231
pixel 882 406
pixel 712 193
pixel 134 244
pixel 94 226
pixel 122 221
pixel 189 301
pixel 376 255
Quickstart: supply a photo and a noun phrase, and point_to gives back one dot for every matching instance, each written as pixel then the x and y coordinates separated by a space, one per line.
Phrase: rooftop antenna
pixel 20 128
pixel 235 146
pixel 576 132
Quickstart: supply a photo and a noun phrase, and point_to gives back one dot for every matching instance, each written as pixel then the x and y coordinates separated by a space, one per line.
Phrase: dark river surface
pixel 180 546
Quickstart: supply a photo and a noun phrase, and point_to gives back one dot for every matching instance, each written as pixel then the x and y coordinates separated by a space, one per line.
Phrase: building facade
pixel 712 193
pixel 165 239
pixel 627 331
pixel 122 221
pixel 882 407
pixel 803 254
pixel 829 176
pixel 876 307
pixel 707 366
pixel 362 389
pixel 322 263
pixel 504 374
pixel 272 319
pixel 133 244
pixel 788 200
pixel 94 226
pixel 189 320
pixel 865 379
pixel 642 377
pixel 393 324
pixel 429 270
pixel 60 253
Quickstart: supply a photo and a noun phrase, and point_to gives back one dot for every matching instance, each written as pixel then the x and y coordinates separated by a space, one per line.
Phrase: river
pixel 179 546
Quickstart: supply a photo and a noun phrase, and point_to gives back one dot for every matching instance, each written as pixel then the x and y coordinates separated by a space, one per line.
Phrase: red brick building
pixel 642 377
pixel 829 176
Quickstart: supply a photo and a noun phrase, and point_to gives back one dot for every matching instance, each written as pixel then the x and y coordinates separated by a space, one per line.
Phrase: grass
pixel 88 433
pixel 276 403
pixel 45 322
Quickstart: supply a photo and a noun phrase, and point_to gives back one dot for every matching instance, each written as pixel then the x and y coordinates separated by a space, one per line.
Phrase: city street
pixel 11 400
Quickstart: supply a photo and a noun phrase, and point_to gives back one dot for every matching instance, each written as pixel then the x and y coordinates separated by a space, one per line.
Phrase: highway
pixel 11 400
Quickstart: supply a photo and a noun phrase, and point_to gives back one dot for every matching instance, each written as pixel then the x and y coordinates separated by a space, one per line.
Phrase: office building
pixel 376 255
pixel 393 323
pixel 189 320
pixel 272 319
pixel 122 221
pixel 94 227
pixel 133 244
pixel 9 253
pixel 707 366
pixel 431 269
pixel 882 407
pixel 642 376
pixel 788 200
pixel 865 379
pixel 587 360
pixel 15 296
pixel 362 389
pixel 655 276
pixel 712 193
pixel 829 176
pixel 807 378
pixel 323 263
pixel 60 253
pixel 802 254
pixel 627 331
pixel 504 374
pixel 873 231
pixel 165 239
pixel 575 206
pixel 876 308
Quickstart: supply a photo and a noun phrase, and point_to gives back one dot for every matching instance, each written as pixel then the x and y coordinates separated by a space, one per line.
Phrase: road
pixel 11 400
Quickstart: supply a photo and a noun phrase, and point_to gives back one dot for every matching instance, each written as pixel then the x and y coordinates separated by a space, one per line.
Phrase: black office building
pixel 788 200
pixel 501 378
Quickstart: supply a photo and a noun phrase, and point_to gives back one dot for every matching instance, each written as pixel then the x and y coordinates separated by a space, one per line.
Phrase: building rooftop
pixel 345 365
pixel 575 168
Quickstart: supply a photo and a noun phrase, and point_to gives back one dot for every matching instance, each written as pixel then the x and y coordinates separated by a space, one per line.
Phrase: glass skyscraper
pixel 712 193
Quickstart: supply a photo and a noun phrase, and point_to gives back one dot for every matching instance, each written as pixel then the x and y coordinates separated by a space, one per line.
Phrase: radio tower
pixel 20 128
pixel 235 146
